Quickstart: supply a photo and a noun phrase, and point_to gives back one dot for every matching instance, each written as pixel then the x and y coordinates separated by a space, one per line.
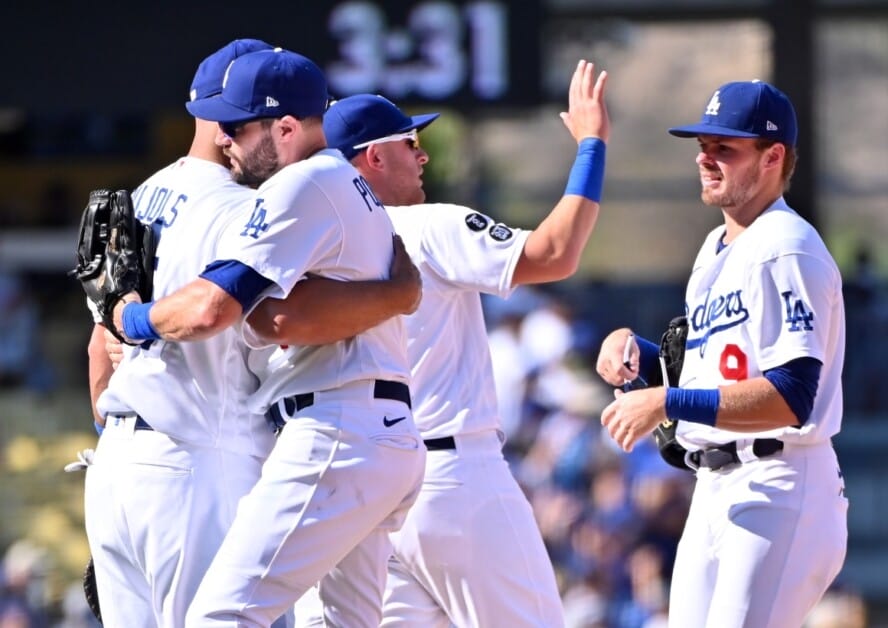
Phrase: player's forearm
pixel 554 249
pixel 196 311
pixel 322 311
pixel 100 369
pixel 753 405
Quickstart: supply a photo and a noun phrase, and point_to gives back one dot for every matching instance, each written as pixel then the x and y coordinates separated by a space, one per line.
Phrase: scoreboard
pixel 481 51
pixel 117 58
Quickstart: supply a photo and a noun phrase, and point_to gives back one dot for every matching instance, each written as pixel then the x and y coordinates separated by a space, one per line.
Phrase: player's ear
pixel 775 154
pixel 286 125
pixel 374 157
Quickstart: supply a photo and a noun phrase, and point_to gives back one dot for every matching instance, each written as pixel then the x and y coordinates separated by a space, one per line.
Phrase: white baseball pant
pixel 470 552
pixel 762 542
pixel 156 513
pixel 337 482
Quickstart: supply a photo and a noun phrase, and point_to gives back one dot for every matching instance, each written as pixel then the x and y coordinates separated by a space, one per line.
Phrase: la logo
pixel 798 316
pixel 713 106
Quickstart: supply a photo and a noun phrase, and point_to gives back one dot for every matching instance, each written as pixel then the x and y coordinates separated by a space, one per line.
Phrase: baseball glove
pixel 672 350
pixel 115 253
pixel 90 590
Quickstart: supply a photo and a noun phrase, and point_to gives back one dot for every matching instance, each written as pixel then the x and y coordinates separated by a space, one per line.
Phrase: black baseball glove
pixel 115 253
pixel 672 350
pixel 90 590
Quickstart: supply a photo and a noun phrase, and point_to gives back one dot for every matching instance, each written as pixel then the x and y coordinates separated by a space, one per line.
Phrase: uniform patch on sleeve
pixel 501 233
pixel 798 314
pixel 476 222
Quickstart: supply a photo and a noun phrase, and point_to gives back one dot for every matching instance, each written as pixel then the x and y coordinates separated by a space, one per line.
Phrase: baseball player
pixel 348 460
pixel 180 410
pixel 470 552
pixel 760 392
pixel 175 418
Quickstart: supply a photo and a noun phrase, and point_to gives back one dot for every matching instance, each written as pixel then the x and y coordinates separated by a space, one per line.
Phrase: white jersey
pixel 459 253
pixel 192 391
pixel 319 217
pixel 773 295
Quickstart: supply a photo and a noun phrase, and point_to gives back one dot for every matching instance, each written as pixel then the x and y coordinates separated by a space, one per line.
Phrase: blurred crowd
pixel 24 599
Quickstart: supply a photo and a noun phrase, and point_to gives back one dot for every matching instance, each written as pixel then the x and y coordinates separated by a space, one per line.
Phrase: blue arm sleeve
pixel 649 362
pixel 237 279
pixel 797 382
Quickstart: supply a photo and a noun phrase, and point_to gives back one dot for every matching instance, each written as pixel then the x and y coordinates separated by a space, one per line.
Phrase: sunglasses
pixel 412 138
pixel 232 129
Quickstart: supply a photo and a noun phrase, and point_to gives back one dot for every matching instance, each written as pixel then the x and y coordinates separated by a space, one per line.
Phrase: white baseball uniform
pixel 470 551
pixel 764 539
pixel 180 445
pixel 348 463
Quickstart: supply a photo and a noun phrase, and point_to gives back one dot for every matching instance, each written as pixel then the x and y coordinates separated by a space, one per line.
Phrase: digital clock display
pixel 474 51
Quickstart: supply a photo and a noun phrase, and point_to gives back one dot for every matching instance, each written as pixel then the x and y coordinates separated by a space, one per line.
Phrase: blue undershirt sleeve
pixel 237 279
pixel 649 361
pixel 797 382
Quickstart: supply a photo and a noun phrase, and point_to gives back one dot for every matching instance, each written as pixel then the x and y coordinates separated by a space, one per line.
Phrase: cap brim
pixel 693 130
pixel 215 109
pixel 420 122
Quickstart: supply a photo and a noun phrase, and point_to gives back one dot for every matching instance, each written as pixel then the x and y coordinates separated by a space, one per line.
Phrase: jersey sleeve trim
pixel 240 281
pixel 797 381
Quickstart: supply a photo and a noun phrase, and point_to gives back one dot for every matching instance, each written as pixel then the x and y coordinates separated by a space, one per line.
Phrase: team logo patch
pixel 476 222
pixel 501 233
pixel 798 314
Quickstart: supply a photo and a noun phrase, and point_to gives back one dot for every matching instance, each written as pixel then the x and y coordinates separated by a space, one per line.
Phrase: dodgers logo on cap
pixel 746 109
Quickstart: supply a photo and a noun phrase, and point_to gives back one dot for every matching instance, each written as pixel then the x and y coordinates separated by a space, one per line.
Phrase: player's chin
pixel 710 199
pixel 237 173
pixel 416 196
pixel 711 195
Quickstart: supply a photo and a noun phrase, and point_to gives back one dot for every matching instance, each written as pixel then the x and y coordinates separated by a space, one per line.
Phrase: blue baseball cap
pixel 266 84
pixel 746 109
pixel 366 117
pixel 207 80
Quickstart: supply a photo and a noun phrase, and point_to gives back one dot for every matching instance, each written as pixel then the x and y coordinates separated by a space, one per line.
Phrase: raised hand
pixel 586 115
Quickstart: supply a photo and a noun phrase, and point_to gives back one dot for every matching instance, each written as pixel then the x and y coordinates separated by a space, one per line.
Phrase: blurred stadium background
pixel 93 97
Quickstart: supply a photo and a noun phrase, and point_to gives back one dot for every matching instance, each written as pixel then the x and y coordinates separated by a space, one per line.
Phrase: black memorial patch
pixel 477 222
pixel 501 233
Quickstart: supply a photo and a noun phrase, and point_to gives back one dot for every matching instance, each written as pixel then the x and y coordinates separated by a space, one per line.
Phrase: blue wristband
pixel 137 321
pixel 696 405
pixel 99 428
pixel 587 173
